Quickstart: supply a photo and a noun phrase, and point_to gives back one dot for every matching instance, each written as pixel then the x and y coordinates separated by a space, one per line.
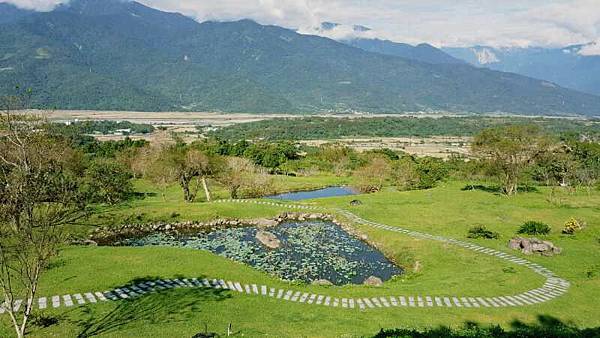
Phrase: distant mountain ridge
pixel 10 13
pixel 423 52
pixel 115 55
pixel 563 66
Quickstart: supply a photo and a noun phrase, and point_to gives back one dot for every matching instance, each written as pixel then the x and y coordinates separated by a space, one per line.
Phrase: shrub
pixel 593 271
pixel 481 231
pixel 509 269
pixel 534 228
pixel 573 225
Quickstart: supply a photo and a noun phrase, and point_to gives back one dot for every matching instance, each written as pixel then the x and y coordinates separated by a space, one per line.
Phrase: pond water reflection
pixel 319 193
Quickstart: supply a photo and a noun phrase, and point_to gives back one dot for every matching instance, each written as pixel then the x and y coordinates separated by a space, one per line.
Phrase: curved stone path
pixel 552 288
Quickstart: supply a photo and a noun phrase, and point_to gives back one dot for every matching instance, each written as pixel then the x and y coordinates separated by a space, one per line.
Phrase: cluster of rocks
pixel 371 281
pixel 111 235
pixel 530 246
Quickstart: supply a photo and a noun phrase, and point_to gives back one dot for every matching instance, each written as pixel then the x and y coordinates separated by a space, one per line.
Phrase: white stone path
pixel 552 288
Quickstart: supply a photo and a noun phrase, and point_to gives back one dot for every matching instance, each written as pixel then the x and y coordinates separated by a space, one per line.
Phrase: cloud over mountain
pixel 439 22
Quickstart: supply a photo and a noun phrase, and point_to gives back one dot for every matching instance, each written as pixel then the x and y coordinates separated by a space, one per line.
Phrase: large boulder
pixel 373 281
pixel 530 246
pixel 268 239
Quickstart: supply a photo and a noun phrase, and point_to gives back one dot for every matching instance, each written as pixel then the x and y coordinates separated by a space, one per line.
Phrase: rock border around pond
pixel 112 235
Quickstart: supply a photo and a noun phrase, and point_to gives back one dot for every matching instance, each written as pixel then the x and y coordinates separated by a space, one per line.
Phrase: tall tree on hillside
pixel 510 150
pixel 39 196
pixel 186 166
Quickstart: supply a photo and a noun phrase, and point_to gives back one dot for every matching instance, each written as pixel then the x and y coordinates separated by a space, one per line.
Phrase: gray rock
pixel 526 246
pixel 539 247
pixel 268 239
pixel 529 246
pixel 321 282
pixel 515 244
pixel 266 223
pixel 373 281
pixel 89 242
pixel 355 202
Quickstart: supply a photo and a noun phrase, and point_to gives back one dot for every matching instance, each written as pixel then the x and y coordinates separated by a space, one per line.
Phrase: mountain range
pixel 567 66
pixel 116 55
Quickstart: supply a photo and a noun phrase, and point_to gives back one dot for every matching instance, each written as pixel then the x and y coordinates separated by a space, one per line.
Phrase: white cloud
pixel 590 49
pixel 506 23
pixel 38 5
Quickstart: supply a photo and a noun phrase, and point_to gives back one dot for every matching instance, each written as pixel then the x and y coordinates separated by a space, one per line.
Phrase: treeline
pixel 103 127
pixel 510 157
pixel 314 128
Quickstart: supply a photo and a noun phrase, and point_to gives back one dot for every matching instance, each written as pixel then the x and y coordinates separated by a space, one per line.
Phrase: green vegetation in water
pixel 309 251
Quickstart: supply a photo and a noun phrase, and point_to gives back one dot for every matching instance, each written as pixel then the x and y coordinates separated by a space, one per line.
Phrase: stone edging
pixel 552 288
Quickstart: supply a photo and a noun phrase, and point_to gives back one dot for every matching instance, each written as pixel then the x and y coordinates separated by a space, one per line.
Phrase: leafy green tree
pixel 430 171
pixel 510 150
pixel 405 173
pixel 108 181
pixel 185 165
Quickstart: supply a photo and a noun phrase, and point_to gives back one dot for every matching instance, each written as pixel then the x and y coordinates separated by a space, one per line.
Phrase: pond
pixel 308 251
pixel 319 193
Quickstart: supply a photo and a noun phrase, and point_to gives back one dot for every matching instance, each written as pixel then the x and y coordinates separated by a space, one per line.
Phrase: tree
pixel 244 179
pixel 510 150
pixel 39 196
pixel 183 164
pixel 371 177
pixel 430 171
pixel 405 174
pixel 108 181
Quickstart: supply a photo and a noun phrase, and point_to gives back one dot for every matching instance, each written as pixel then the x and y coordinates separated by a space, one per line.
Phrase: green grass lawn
pixel 443 270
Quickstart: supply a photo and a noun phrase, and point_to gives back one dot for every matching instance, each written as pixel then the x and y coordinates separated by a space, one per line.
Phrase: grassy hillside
pixel 447 210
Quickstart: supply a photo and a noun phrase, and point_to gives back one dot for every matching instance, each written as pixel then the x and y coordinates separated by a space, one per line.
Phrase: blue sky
pixel 499 23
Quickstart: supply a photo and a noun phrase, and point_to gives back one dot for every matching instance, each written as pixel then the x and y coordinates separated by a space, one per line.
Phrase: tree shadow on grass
pixel 158 306
pixel 546 326
pixel 497 190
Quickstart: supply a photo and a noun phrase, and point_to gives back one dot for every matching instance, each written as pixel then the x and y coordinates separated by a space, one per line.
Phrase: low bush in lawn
pixel 534 228
pixel 480 231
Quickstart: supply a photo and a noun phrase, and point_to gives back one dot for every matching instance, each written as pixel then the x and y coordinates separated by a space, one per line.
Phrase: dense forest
pixel 315 128
pixel 105 127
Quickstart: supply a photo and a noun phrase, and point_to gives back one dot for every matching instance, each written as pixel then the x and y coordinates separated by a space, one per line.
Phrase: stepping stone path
pixel 553 287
